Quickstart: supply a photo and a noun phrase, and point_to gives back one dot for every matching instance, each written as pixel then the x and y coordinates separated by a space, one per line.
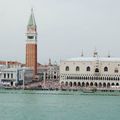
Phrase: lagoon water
pixel 57 105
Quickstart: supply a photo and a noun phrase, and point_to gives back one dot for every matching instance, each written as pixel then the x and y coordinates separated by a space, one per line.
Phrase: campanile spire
pixel 31 21
pixel 31 43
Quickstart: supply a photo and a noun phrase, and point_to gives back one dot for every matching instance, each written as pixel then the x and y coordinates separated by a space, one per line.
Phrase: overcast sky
pixel 65 28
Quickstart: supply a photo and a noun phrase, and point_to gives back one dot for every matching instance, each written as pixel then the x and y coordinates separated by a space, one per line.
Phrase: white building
pixel 49 71
pixel 52 72
pixel 102 73
pixel 15 76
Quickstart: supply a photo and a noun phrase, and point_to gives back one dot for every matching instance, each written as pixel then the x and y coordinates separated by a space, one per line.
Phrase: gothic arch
pixel 100 85
pixel 77 68
pixel 96 70
pixel 104 84
pixel 70 84
pixel 106 69
pixel 88 68
pixel 96 84
pixel 67 68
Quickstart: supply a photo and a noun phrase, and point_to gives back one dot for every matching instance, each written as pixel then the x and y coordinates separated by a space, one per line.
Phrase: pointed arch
pixel 77 68
pixel 106 69
pixel 88 68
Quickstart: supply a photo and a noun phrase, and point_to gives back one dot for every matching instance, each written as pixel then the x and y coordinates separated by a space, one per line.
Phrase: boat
pixel 89 90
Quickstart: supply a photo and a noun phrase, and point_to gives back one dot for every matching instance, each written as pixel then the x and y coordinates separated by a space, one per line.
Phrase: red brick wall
pixel 31 57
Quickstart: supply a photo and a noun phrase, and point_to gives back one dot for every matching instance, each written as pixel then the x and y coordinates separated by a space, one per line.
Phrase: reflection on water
pixel 58 105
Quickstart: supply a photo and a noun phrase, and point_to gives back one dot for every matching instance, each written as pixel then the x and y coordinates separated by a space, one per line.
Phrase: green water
pixel 58 105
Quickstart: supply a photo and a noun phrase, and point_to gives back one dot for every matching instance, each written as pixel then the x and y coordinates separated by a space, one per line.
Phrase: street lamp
pixel 44 78
pixel 23 79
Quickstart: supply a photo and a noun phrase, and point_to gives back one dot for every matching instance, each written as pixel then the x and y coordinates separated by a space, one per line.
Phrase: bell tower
pixel 31 44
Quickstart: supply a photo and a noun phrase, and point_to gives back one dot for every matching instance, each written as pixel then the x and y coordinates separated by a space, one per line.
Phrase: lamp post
pixel 44 79
pixel 23 79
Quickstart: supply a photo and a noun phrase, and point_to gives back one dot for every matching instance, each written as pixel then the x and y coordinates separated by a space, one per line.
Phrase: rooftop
pixel 31 21
pixel 94 59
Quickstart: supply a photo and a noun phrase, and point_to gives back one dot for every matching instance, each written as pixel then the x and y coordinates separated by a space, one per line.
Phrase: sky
pixel 65 28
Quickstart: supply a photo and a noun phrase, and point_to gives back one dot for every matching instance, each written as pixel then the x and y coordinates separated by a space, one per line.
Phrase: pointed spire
pixel 108 54
pixel 31 21
pixel 82 54
pixel 50 61
pixel 95 53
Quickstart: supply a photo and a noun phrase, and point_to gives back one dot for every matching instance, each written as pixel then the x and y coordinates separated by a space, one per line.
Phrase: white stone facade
pixel 49 72
pixel 52 72
pixel 14 76
pixel 90 72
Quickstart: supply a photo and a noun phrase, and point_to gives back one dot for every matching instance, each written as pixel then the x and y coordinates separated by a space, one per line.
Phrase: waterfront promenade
pixel 55 85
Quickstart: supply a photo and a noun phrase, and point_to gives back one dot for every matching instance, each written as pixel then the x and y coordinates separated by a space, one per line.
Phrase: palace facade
pixel 94 71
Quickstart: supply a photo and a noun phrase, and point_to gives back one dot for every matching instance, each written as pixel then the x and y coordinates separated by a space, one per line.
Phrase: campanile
pixel 31 44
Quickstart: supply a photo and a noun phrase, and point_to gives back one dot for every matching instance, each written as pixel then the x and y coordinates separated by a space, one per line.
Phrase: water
pixel 58 105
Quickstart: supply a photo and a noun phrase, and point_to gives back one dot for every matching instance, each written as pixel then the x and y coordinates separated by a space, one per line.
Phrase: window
pixel 88 68
pixel 105 69
pixel 116 70
pixel 30 37
pixel 77 68
pixel 4 75
pixel 67 68
pixel 8 75
pixel 96 70
pixel 11 75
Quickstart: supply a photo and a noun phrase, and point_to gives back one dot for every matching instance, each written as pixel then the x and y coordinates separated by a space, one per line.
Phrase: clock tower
pixel 31 44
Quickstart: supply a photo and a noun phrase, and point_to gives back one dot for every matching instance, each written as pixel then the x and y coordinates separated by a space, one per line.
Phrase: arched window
pixel 66 84
pixel 91 84
pixel 116 70
pixel 117 84
pixel 108 85
pixel 87 84
pixel 100 85
pixel 67 68
pixel 77 68
pixel 112 84
pixel 83 84
pixel 70 84
pixel 88 68
pixel 96 84
pixel 79 84
pixel 62 83
pixel 104 85
pixel 96 70
pixel 74 84
pixel 105 69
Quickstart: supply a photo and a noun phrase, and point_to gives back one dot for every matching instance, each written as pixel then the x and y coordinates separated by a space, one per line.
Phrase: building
pixel 11 64
pixel 16 76
pixel 52 72
pixel 98 72
pixel 49 71
pixel 31 44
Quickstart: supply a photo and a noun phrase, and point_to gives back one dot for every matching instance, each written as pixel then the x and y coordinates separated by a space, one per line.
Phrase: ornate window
pixel 77 68
pixel 116 70
pixel 67 68
pixel 105 69
pixel 96 70
pixel 88 68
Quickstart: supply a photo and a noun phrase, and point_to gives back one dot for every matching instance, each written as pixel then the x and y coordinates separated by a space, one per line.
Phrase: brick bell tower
pixel 31 44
